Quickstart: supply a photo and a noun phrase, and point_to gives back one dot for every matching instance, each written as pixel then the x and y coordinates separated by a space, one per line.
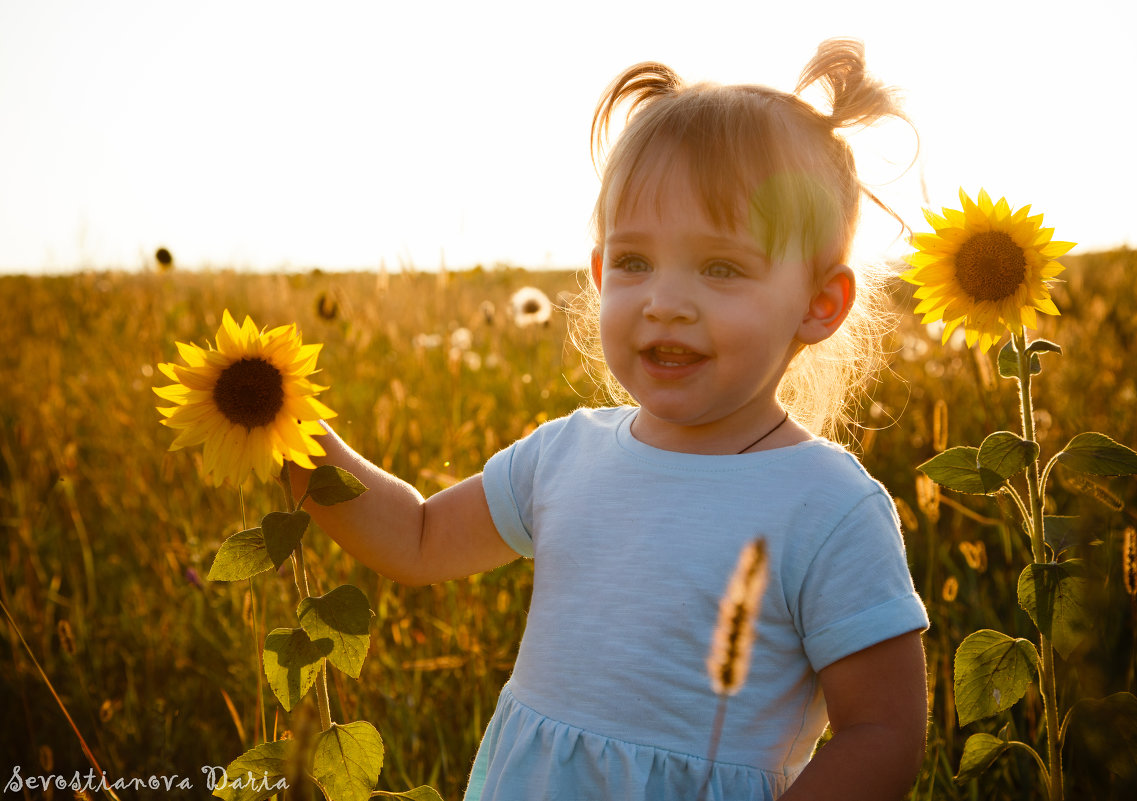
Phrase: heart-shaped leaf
pixel 992 672
pixel 1060 531
pixel 257 774
pixel 1101 736
pixel 1002 455
pixel 1098 455
pixel 956 469
pixel 1054 597
pixel 283 532
pixel 292 663
pixel 347 760
pixel 328 485
pixel 1043 346
pixel 1009 361
pixel 342 616
pixel 979 753
pixel 241 556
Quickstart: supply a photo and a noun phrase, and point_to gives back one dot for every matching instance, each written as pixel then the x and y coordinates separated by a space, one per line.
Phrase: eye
pixel 721 269
pixel 631 263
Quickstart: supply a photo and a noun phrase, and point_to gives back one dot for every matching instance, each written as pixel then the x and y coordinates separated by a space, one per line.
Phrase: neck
pixel 719 438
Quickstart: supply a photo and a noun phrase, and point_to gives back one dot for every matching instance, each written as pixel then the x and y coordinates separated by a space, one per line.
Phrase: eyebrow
pixel 711 242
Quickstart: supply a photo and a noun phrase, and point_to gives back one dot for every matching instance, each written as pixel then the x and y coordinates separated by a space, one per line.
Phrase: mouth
pixel 671 356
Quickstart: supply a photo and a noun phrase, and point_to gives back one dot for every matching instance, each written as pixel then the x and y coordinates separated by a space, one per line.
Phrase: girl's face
pixel 696 323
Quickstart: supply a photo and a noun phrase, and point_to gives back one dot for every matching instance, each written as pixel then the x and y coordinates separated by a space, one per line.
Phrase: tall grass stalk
pixel 62 707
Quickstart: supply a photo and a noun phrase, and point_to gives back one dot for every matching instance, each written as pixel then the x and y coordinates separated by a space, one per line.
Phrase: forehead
pixel 666 177
pixel 790 214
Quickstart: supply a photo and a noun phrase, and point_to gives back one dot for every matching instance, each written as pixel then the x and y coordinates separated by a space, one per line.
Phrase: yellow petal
pixel 1053 250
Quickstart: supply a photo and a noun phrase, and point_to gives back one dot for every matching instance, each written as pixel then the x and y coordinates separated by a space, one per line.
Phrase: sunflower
pixel 248 400
pixel 985 268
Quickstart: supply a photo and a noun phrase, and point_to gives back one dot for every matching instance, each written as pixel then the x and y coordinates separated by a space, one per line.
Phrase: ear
pixel 829 305
pixel 597 266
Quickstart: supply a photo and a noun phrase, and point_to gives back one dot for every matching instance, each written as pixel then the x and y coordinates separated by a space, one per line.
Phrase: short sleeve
pixel 508 483
pixel 858 590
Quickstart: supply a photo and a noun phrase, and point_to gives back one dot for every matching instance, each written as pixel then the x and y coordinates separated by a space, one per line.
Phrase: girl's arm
pixel 878 709
pixel 395 532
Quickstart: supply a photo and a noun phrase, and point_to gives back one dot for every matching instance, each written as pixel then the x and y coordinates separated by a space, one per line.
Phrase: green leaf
pixel 257 774
pixel 992 672
pixel 283 531
pixel 241 556
pixel 330 485
pixel 1002 455
pixel 1098 455
pixel 292 663
pixel 346 761
pixel 1009 361
pixel 979 753
pixel 342 616
pixel 1054 597
pixel 1102 733
pixel 423 793
pixel 1043 346
pixel 956 469
pixel 1059 531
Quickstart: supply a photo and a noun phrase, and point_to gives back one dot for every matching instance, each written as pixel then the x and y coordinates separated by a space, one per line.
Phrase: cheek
pixel 611 328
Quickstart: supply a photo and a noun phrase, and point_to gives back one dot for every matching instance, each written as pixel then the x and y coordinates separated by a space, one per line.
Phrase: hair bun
pixel 639 84
pixel 855 96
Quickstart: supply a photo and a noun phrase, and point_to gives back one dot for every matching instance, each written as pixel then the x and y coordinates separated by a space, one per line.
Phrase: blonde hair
pixel 798 177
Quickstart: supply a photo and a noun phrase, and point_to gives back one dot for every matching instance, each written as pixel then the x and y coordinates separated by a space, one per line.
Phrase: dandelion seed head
pixel 426 341
pixel 461 338
pixel 530 306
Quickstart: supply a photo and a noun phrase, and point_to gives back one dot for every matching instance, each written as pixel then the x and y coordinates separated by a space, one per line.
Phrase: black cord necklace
pixel 781 423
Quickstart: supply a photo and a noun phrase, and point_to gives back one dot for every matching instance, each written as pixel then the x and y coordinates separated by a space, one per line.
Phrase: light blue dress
pixel 632 549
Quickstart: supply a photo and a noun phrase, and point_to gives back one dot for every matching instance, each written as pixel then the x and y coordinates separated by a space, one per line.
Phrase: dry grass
pixel 107 533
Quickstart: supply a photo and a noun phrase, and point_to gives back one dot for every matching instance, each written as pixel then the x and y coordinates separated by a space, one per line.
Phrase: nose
pixel 669 300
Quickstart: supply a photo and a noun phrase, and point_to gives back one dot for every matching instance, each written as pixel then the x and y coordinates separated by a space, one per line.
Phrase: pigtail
pixel 641 84
pixel 855 96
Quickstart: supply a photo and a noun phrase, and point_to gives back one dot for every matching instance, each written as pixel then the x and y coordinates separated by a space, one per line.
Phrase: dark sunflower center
pixel 249 393
pixel 990 266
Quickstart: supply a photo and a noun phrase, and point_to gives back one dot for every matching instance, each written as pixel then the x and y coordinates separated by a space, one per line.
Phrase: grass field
pixel 107 537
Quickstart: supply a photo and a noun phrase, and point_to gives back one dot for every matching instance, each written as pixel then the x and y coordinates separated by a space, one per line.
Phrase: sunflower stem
pixel 261 727
pixel 300 572
pixel 1047 681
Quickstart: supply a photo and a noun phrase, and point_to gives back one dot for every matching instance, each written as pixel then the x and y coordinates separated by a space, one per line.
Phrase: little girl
pixel 727 314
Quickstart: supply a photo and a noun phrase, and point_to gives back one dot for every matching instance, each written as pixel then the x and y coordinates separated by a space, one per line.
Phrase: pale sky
pixel 286 135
